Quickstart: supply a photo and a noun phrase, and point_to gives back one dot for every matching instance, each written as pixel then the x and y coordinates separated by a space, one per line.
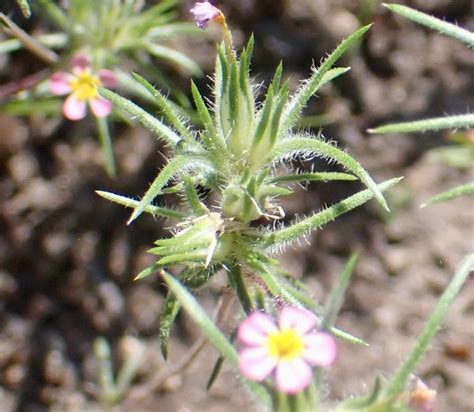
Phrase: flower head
pixel 204 12
pixel 288 349
pixel 422 399
pixel 81 85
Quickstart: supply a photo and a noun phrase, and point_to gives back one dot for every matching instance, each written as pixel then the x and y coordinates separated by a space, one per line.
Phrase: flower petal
pixel 319 349
pixel 108 78
pixel 293 376
pixel 100 107
pixel 300 319
pixel 80 60
pixel 74 109
pixel 255 328
pixel 255 364
pixel 203 12
pixel 60 83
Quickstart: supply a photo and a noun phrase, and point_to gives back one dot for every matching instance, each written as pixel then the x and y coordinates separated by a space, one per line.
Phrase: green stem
pixel 106 143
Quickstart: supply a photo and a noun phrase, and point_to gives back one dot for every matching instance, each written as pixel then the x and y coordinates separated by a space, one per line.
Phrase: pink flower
pixel 422 399
pixel 81 85
pixel 288 349
pixel 204 12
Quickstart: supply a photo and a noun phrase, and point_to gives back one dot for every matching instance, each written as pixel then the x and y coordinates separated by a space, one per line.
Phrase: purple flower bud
pixel 204 12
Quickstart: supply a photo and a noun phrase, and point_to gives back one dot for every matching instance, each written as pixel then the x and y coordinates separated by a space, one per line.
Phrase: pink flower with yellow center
pixel 288 350
pixel 81 86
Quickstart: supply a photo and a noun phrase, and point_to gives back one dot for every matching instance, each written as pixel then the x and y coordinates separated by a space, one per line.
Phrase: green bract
pixel 235 157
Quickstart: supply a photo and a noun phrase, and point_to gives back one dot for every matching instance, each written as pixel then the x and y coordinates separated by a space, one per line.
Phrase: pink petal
pixel 255 329
pixel 74 109
pixel 60 83
pixel 203 12
pixel 108 78
pixel 319 349
pixel 100 107
pixel 293 376
pixel 80 60
pixel 255 364
pixel 293 317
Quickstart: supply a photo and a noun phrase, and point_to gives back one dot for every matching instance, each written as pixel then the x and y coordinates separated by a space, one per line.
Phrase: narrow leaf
pixel 313 177
pixel 153 210
pixel 215 372
pixel 453 193
pixel 25 8
pixel 175 165
pixel 290 147
pixel 439 123
pixel 301 97
pixel 311 223
pixel 145 118
pixel 148 271
pixel 168 315
pixel 336 297
pixel 106 143
pixel 400 379
pixel 205 116
pixel 433 23
pixel 172 115
pixel 192 197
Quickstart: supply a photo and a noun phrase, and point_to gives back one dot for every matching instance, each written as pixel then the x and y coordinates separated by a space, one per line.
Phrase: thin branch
pixel 29 42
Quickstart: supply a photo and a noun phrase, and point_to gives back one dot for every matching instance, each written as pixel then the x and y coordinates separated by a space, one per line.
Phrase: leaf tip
pixel 132 217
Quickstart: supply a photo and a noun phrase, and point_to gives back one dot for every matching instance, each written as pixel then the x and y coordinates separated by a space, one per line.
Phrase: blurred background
pixel 67 258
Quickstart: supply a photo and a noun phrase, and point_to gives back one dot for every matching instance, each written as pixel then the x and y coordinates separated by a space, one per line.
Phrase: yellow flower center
pixel 84 85
pixel 285 344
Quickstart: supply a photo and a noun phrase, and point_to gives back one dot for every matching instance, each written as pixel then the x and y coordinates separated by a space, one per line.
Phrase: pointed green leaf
pixel 453 193
pixel 153 210
pixel 25 8
pixel 313 177
pixel 168 315
pixel 301 97
pixel 290 147
pixel 145 118
pixel 172 115
pixel 399 381
pixel 297 230
pixel 213 139
pixel 215 372
pixel 192 197
pixel 237 282
pixel 439 123
pixel 175 165
pixel 443 27
pixel 148 271
pixel 182 258
pixel 336 297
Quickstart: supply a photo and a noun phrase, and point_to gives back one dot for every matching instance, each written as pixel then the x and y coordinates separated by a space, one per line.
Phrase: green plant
pixel 116 34
pixel 230 175
pixel 463 154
